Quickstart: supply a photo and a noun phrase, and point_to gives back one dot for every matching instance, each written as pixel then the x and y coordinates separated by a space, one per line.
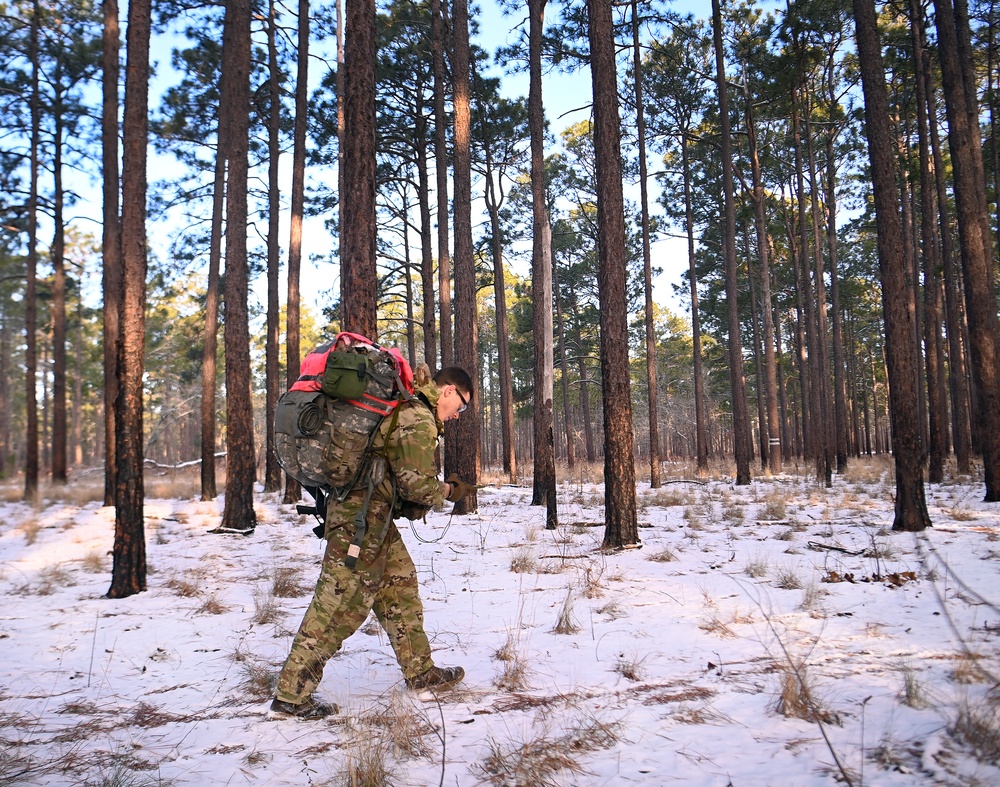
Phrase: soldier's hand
pixel 458 488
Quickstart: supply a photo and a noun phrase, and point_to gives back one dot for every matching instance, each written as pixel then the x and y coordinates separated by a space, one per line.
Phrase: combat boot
pixel 436 679
pixel 309 710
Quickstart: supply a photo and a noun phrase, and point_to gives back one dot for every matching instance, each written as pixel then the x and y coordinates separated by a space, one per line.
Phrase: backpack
pixel 326 422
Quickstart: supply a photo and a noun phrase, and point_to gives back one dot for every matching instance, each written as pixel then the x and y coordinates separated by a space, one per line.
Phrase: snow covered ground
pixel 669 664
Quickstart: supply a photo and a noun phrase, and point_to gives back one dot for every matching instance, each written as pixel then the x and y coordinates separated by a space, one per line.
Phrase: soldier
pixel 384 578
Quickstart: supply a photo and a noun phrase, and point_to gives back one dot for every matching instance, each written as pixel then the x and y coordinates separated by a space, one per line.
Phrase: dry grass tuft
pixel 285 582
pixel 147 716
pixel 266 607
pixel 524 561
pixel 16 765
pixel 665 497
pixel 978 725
pixel 756 567
pixel 407 727
pixel 812 595
pixel 565 623
pixel 613 610
pixel 188 587
pixel 665 555
pixel 593 573
pixel 259 678
pixel 513 675
pixel 76 493
pixel 775 507
pixel 912 694
pixel 30 528
pixel 715 625
pixel 631 666
pixel 787 579
pixel 212 606
pixel 544 761
pixel 967 670
pixel 798 698
pixel 172 486
pixel 51 579
pixel 94 562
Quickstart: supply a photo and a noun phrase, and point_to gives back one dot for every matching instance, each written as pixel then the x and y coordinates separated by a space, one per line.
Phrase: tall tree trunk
pixel 911 507
pixel 438 35
pixel 822 321
pixel 620 523
pixel 210 341
pixel 58 308
pixel 272 470
pixel 958 378
pixel 509 457
pixel 428 322
pixel 5 366
pixel 973 230
pixel 238 513
pixel 651 387
pixel 742 441
pixel 839 364
pixel 700 414
pixel 128 571
pixel 467 456
pixel 770 427
pixel 563 370
pixel 358 231
pixel 292 349
pixel 544 492
pixel 76 419
pixel 111 273
pixel 934 366
pixel 31 494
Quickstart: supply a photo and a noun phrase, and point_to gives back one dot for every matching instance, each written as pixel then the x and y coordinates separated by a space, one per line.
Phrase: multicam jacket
pixel 408 443
pixel 411 451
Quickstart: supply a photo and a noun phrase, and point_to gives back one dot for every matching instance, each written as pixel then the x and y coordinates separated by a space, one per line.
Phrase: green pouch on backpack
pixel 345 375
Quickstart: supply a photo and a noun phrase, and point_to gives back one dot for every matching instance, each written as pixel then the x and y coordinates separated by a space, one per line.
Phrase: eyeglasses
pixel 465 402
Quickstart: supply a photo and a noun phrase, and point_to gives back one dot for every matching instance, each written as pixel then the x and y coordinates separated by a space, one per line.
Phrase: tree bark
pixel 128 572
pixel 467 453
pixel 544 482
pixel 700 414
pixel 58 307
pixel 438 36
pixel 358 232
pixel 973 230
pixel 31 493
pixel 620 523
pixel 509 457
pixel 911 507
pixel 651 387
pixel 292 311
pixel 933 340
pixel 111 275
pixel 742 441
pixel 210 341
pixel 238 513
pixel 272 470
pixel 770 426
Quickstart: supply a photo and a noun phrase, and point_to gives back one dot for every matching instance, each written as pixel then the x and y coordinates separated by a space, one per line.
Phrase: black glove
pixel 459 488
pixel 412 511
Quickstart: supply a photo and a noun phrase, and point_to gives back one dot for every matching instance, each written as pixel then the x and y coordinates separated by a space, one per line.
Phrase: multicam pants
pixel 384 580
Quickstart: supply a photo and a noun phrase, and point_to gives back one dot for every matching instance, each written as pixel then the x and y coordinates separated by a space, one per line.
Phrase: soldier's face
pixel 451 403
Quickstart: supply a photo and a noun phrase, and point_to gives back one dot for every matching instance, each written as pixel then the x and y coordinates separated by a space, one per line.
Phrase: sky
pixel 566 98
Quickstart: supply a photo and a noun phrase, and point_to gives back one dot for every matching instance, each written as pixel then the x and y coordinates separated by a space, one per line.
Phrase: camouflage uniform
pixel 384 579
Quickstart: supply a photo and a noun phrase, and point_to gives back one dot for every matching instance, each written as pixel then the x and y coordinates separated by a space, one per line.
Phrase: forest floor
pixel 770 634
